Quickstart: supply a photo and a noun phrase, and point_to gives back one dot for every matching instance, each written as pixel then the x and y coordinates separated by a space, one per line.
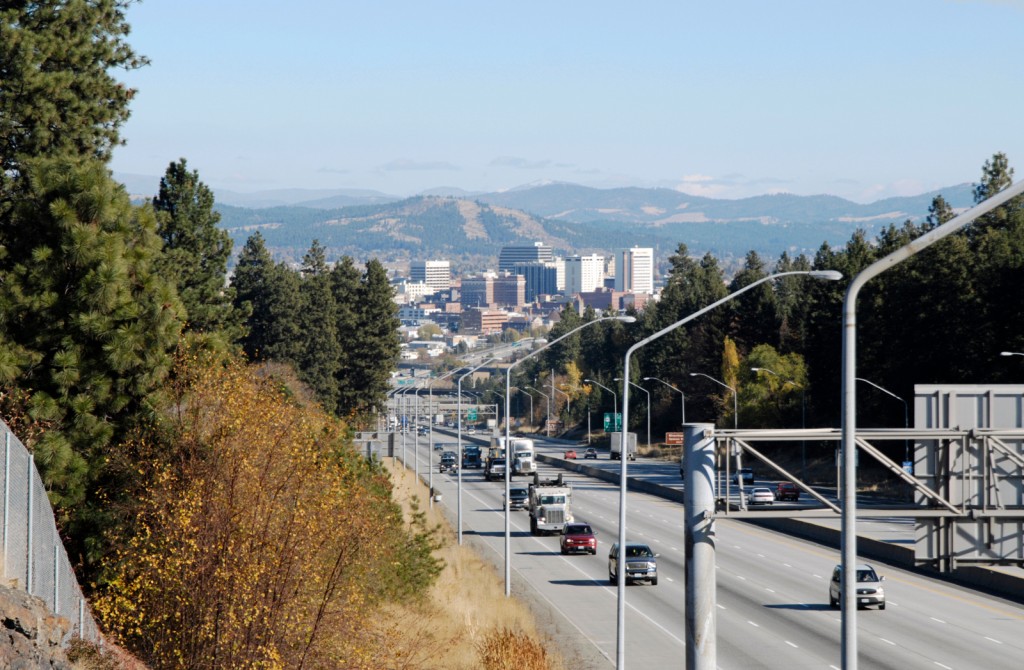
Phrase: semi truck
pixel 523 460
pixel 550 505
pixel 471 457
pixel 616 446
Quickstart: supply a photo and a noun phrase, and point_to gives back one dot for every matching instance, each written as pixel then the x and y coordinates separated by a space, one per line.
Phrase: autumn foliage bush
pixel 259 538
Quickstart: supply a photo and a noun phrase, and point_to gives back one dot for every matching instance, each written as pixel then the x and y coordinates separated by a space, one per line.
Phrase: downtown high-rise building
pixel 634 270
pixel 538 252
pixel 583 274
pixel 435 274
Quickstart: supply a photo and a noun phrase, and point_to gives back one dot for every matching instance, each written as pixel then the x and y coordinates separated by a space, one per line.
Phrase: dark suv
pixel 641 563
pixel 518 498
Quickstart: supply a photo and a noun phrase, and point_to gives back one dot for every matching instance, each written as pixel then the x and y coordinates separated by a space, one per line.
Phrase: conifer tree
pixel 57 94
pixel 196 251
pixel 319 354
pixel 375 355
pixel 93 321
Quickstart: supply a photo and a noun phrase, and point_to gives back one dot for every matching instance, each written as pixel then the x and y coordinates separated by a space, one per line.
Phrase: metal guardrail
pixel 34 559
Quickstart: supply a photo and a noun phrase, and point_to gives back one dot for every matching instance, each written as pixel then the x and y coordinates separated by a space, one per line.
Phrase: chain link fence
pixel 33 555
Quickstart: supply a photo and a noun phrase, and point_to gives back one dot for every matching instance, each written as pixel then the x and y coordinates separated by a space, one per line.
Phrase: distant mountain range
pixel 470 228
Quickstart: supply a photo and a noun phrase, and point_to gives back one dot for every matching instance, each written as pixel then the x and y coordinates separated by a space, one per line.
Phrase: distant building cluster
pixel 529 289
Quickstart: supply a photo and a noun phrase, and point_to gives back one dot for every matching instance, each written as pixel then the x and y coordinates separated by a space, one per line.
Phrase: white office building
pixel 583 274
pixel 435 274
pixel 634 270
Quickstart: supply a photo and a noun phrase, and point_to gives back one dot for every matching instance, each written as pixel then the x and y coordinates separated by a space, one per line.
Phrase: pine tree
pixel 196 251
pixel 269 294
pixel 319 355
pixel 92 319
pixel 345 286
pixel 57 96
pixel 376 354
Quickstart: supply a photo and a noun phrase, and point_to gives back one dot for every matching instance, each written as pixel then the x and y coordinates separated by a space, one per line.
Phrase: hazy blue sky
pixel 863 99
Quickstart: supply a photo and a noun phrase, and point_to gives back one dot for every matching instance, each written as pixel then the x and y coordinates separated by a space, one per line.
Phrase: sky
pixel 862 99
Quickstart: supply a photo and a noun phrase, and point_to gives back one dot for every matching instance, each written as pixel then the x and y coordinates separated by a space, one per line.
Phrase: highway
pixel 772 591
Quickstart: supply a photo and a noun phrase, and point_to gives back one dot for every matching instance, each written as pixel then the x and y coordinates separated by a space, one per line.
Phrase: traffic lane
pixel 906 634
pixel 583 593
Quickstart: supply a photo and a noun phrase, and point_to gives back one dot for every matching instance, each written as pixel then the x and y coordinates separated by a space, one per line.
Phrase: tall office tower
pixel 538 252
pixel 541 279
pixel 510 289
pixel 477 291
pixel 634 270
pixel 435 274
pixel 583 274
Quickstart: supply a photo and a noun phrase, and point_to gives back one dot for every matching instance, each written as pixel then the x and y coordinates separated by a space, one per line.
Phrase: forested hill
pixel 572 219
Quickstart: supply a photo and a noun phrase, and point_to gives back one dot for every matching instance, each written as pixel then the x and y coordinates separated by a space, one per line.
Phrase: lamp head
pixel 626 319
pixel 828 275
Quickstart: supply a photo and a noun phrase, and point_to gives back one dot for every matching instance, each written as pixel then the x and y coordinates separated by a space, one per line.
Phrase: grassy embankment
pixel 466 622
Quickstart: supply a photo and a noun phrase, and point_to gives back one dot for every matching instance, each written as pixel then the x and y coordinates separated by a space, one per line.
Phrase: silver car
pixel 761 496
pixel 869 587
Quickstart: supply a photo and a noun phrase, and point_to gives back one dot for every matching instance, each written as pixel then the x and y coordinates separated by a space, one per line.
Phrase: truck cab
pixel 550 505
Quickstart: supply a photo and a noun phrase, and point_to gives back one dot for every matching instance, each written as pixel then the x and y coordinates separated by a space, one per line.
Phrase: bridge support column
pixel 699 501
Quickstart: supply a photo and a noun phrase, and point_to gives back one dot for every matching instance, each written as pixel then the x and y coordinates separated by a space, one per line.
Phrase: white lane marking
pixel 769 590
pixel 939 620
pixel 817 576
pixel 992 639
pixel 787 565
pixel 792 645
pixel 741 577
pixel 943 666
pixel 887 641
pixel 721 607
pixel 753 624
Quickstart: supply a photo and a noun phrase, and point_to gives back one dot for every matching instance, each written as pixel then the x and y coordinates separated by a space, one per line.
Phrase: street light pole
pixel 547 421
pixel 735 403
pixel 848 585
pixel 460 450
pixel 430 424
pixel 906 413
pixel 682 396
pixel 508 435
pixel 617 379
pixel 615 400
pixel 700 626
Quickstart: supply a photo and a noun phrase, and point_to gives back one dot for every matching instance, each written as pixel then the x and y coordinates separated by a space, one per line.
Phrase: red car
pixel 578 537
pixel 570 454
pixel 787 491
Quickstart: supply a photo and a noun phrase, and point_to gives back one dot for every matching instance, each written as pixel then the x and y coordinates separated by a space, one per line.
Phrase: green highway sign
pixel 610 425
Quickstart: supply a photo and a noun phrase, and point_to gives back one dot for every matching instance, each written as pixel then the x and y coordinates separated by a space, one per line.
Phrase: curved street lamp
pixel 458 504
pixel 848 584
pixel 906 413
pixel 682 396
pixel 735 403
pixel 508 436
pixel 625 451
pixel 702 563
pixel 547 420
pixel 615 398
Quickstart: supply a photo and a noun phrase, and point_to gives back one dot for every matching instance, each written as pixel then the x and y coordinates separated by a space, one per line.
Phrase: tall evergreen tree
pixel 346 280
pixel 269 294
pixel 57 96
pixel 94 322
pixel 319 356
pixel 376 353
pixel 753 316
pixel 196 251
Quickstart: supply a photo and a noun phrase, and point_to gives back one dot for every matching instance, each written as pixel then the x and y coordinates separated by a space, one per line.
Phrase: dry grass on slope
pixel 467 622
